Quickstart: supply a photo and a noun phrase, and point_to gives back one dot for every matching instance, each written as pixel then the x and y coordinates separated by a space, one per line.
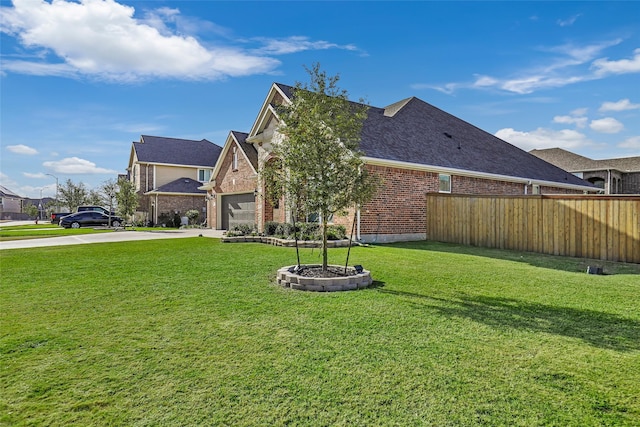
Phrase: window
pixel 235 159
pixel 204 175
pixel 536 189
pixel 445 183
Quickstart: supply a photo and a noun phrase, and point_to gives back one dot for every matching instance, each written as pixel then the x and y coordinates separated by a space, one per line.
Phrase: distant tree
pixel 321 169
pixel 193 215
pixel 72 195
pixel 95 198
pixel 109 191
pixel 127 198
pixel 32 211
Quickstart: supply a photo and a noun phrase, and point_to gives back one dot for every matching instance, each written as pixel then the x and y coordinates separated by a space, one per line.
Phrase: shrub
pixel 336 232
pixel 284 230
pixel 243 230
pixel 193 215
pixel 270 228
pixel 309 231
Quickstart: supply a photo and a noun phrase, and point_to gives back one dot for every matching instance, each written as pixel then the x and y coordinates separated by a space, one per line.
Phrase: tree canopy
pixel 318 166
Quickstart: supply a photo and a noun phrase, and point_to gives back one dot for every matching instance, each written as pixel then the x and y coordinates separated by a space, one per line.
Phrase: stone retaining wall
pixel 287 278
pixel 289 243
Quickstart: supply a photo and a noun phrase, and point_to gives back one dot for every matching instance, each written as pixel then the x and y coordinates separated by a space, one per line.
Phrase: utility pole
pixel 56 178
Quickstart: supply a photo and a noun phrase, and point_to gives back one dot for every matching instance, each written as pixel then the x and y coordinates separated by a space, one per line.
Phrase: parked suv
pixel 89 219
pixel 95 208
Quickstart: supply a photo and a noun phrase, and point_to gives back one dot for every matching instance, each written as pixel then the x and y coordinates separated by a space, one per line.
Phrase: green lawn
pixel 33 231
pixel 195 332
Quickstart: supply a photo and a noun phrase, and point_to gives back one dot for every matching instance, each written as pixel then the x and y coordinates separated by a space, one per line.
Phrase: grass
pixel 22 232
pixel 192 331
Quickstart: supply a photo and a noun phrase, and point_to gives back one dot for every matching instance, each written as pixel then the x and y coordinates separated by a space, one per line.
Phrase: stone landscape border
pixel 270 240
pixel 289 279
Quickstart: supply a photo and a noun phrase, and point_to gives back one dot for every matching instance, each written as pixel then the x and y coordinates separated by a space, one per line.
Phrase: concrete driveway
pixel 116 236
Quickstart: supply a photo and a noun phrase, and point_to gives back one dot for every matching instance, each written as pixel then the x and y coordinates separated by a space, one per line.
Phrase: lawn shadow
pixel 562 263
pixel 602 330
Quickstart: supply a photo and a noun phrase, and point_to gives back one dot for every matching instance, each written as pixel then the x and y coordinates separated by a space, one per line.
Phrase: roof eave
pixel 474 174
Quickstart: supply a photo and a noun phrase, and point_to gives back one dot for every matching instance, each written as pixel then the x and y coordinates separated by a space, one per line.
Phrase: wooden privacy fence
pixel 599 227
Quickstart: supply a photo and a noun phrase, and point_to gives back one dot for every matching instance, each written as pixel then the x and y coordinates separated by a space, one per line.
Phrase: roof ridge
pixel 392 109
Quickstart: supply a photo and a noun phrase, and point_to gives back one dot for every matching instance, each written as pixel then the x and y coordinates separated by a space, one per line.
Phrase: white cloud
pixel 606 125
pixel 34 175
pixel 544 138
pixel 571 120
pixel 623 66
pixel 75 165
pixel 102 38
pixel 22 149
pixel 622 105
pixel 569 21
pixel 297 44
pixel 631 143
pixel 568 64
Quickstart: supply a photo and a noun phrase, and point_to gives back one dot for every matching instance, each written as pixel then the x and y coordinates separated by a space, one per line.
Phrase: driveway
pixel 116 236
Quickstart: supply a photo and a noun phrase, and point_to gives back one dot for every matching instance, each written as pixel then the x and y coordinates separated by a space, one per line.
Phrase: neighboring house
pixel 414 147
pixel 613 176
pixel 10 204
pixel 167 173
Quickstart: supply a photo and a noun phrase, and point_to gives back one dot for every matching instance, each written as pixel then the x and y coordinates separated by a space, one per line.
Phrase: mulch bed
pixel 331 272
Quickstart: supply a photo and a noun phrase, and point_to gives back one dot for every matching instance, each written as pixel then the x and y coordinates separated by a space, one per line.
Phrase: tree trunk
pixel 324 243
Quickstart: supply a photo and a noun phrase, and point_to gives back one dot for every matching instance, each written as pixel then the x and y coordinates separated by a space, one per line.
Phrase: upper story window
pixel 204 175
pixel 445 183
pixel 234 165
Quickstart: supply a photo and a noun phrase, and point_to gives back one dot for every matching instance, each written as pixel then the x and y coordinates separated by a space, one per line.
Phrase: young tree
pixel 95 198
pixel 127 198
pixel 110 190
pixel 72 195
pixel 321 166
pixel 32 211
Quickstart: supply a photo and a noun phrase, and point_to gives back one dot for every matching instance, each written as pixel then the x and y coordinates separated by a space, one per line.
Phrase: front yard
pixel 195 332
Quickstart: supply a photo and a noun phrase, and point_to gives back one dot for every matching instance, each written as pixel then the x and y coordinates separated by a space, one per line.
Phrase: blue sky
pixel 81 80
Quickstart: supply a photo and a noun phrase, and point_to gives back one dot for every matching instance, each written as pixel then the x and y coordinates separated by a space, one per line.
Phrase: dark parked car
pixel 89 219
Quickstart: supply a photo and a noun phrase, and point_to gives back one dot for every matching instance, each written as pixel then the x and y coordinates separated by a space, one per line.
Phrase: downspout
pixel 609 181
pixel 358 225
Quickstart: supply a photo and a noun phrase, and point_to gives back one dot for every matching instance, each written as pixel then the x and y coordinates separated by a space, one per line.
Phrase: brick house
pixel 414 147
pixel 612 176
pixel 167 173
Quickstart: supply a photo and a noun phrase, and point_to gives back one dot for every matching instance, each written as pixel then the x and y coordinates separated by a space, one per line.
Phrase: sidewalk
pixel 116 236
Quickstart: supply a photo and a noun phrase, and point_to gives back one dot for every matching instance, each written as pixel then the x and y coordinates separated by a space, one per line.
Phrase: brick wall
pixel 229 181
pixel 400 207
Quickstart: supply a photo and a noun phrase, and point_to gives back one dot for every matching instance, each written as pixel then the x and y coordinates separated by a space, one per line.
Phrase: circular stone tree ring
pixel 355 279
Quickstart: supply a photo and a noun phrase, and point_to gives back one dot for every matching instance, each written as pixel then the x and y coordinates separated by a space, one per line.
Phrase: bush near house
pixel 285 230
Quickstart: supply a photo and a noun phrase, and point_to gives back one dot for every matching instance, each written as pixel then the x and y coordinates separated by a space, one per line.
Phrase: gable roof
pixel 187 152
pixel 249 150
pixel 573 162
pixel 5 192
pixel 412 131
pixel 180 186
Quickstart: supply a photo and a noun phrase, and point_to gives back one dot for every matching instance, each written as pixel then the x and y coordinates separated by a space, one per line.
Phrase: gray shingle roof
pixel 181 185
pixel 156 149
pixel 249 149
pixel 5 192
pixel 414 131
pixel 576 163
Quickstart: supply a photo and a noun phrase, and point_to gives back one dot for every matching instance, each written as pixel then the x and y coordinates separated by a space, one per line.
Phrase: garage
pixel 238 209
